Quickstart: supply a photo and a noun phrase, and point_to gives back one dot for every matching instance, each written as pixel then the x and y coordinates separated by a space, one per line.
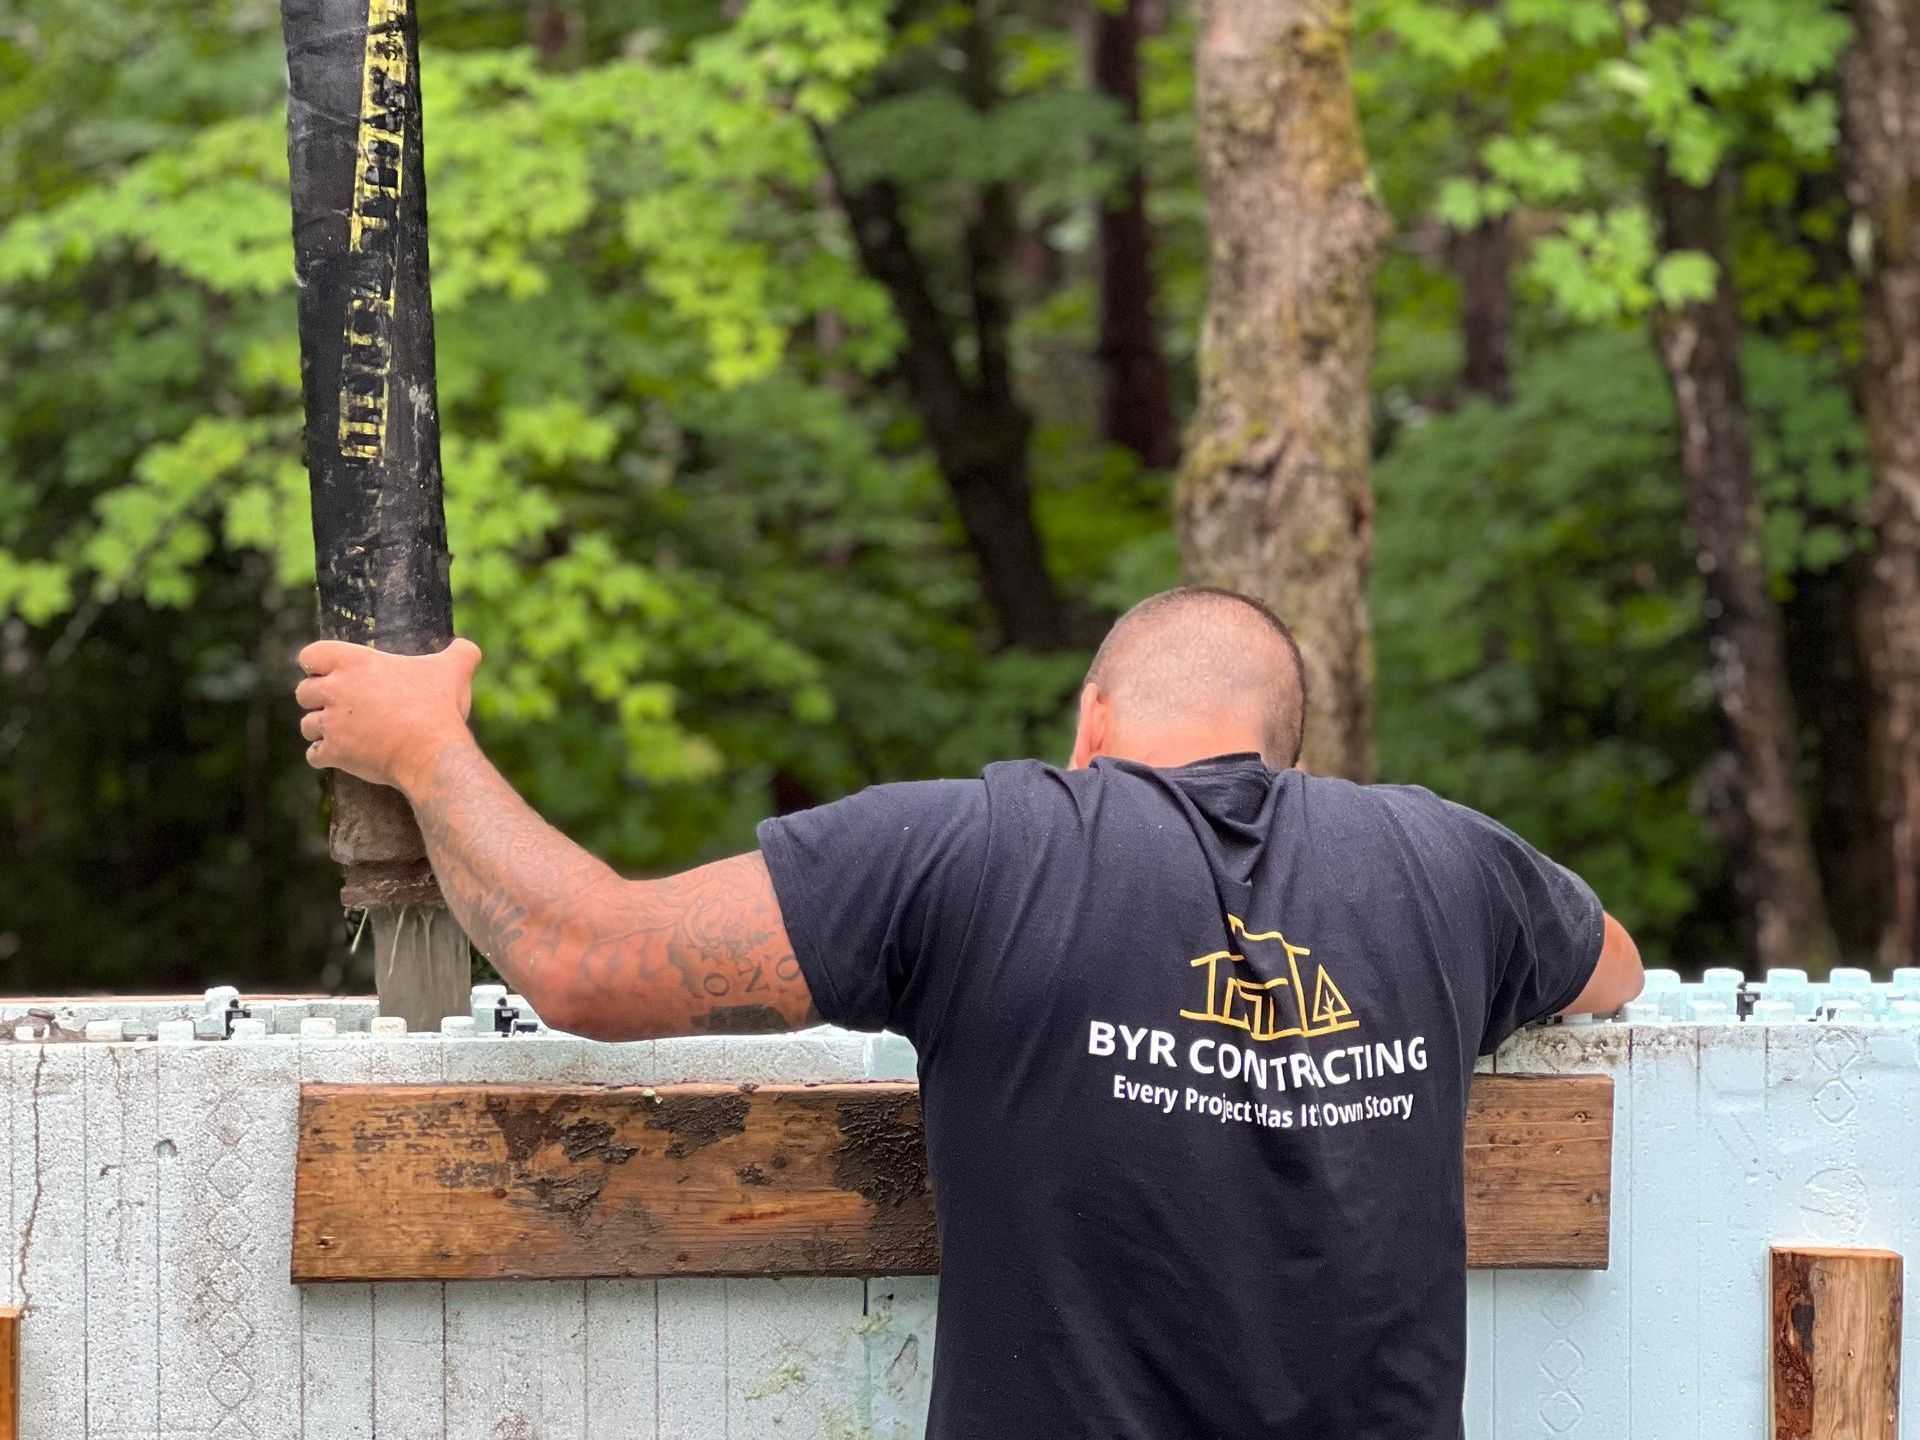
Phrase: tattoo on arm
pixel 716 934
pixel 703 952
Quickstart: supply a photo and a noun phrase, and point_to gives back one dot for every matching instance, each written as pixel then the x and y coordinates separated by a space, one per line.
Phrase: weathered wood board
pixel 1835 1327
pixel 1539 1172
pixel 9 1373
pixel 495 1182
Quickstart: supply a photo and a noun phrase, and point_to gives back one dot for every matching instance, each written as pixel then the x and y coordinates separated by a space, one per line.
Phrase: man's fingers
pixel 310 693
pixel 316 755
pixel 323 657
pixel 311 725
pixel 465 654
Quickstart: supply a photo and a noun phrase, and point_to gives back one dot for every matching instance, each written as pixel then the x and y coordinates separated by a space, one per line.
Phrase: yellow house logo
pixel 1270 1009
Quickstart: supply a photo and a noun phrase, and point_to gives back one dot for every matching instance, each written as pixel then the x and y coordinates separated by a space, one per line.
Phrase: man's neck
pixel 1168 752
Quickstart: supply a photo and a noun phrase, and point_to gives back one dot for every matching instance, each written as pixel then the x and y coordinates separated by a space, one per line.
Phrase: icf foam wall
pixel 150 1205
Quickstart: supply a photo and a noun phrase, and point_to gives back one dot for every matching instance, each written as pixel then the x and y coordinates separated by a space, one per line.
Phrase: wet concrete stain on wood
pixel 882 1158
pixel 593 1140
pixel 527 1129
pixel 697 1121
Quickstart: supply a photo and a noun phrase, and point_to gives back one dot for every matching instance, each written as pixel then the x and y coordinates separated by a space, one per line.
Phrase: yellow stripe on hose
pixel 372 240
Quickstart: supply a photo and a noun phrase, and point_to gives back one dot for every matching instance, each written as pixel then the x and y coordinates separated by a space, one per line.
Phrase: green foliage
pixel 697 528
pixel 1538 612
pixel 1537 624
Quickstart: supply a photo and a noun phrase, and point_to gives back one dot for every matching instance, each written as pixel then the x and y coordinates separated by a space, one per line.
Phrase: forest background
pixel 818 377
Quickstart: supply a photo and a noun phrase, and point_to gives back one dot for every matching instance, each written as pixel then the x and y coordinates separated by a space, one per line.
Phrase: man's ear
pixel 1095 730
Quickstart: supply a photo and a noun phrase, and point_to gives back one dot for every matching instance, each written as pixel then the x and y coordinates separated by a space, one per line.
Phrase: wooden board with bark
pixel 497 1182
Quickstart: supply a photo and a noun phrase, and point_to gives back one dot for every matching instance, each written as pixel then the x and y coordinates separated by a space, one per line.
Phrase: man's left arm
pixel 595 954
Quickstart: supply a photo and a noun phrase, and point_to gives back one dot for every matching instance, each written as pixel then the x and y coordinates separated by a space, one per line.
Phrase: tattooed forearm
pixel 594 953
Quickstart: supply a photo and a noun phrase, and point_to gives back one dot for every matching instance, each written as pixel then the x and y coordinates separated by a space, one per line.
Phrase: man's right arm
pixel 703 952
pixel 596 954
pixel 1617 976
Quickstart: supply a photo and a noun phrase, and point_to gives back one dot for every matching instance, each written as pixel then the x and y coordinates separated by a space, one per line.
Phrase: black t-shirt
pixel 1194 1052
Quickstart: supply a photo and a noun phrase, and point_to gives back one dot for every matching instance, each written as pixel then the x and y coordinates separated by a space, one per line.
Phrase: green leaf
pixel 1684 277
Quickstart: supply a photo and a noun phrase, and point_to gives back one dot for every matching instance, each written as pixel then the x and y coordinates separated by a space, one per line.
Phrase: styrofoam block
pixel 1729 1256
pixel 692 1361
pixel 796 1358
pixel 121 1274
pixel 49 1134
pixel 229 1321
pixel 1554 1050
pixel 702 1059
pixel 1482 1357
pixel 1664 1123
pixel 891 1057
pixel 550 1060
pixel 409 1361
pixel 900 1334
pixel 821 1054
pixel 622 1329
pixel 336 1350
pixel 516 1360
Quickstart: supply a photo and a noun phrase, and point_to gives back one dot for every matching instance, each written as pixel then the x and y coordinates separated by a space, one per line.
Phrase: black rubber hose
pixel 366 361
pixel 366 322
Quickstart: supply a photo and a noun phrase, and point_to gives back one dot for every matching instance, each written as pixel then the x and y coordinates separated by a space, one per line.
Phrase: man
pixel 1195 1029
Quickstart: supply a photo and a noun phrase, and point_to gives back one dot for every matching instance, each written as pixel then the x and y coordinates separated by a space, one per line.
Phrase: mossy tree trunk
pixel 1699 345
pixel 1882 89
pixel 1274 498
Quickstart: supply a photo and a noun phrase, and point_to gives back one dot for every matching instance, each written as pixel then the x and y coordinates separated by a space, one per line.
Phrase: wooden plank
pixel 1539 1171
pixel 1835 1344
pixel 498 1181
pixel 10 1373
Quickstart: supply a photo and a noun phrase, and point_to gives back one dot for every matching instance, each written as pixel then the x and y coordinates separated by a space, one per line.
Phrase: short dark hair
pixel 1286 712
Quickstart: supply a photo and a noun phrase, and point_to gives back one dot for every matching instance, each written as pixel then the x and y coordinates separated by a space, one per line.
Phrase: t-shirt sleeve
pixel 1547 926
pixel 877 890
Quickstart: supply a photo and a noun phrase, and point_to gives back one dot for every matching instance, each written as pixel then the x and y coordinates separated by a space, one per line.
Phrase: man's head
pixel 1190 673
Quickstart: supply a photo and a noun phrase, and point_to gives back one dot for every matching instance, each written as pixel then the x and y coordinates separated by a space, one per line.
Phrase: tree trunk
pixel 1482 264
pixel 1274 498
pixel 979 435
pixel 1137 404
pixel 558 33
pixel 976 424
pixel 1699 344
pixel 1826 665
pixel 1882 93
